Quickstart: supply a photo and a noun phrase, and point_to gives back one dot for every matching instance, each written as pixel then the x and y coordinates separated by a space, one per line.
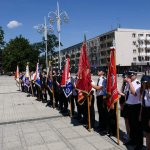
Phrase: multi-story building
pixel 132 50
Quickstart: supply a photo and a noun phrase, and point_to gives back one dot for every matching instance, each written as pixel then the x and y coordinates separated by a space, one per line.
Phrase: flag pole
pixel 89 115
pixel 117 112
pixel 117 116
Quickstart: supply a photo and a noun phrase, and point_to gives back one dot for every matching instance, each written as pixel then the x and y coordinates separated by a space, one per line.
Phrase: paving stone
pixel 38 147
pixel 68 133
pixel 81 144
pixel 33 139
pixel 49 136
pixel 57 146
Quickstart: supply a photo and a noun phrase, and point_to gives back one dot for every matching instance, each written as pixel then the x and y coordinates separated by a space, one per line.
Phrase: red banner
pixel 66 72
pixel 84 75
pixel 112 80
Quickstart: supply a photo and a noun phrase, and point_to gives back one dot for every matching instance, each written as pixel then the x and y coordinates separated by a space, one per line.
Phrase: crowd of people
pixel 134 103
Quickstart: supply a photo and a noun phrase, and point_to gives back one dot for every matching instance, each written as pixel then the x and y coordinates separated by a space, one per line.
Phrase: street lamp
pixel 60 17
pixel 44 28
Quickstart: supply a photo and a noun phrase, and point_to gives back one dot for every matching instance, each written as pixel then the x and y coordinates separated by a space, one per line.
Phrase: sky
pixel 90 17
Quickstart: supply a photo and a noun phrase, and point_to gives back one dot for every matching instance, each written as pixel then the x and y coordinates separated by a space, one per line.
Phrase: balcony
pixel 142 54
pixel 141 38
pixel 148 38
pixel 142 46
pixel 148 46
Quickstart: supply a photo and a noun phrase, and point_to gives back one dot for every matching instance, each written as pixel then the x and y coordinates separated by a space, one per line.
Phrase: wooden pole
pixel 117 117
pixel 53 98
pixel 89 115
pixel 70 107
pixel 32 89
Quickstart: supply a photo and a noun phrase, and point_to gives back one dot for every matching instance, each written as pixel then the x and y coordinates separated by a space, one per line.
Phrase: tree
pixel 19 51
pixel 52 43
pixel 2 43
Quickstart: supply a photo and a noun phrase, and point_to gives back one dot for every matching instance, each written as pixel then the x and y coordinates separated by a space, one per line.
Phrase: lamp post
pixel 59 17
pixel 44 28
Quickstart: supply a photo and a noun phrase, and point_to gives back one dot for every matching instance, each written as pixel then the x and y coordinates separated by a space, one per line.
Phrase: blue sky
pixel 92 17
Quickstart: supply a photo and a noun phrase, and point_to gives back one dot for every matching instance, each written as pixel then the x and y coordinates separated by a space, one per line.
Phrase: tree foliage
pixel 19 51
pixel 52 43
pixel 1 38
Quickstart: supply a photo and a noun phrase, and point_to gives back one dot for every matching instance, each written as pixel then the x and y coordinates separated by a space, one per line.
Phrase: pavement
pixel 26 124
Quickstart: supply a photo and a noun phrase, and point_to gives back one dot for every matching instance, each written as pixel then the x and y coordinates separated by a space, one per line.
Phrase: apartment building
pixel 132 50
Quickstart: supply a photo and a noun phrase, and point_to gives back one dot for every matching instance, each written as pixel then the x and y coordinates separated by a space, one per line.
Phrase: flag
pixel 27 76
pixel 17 74
pixel 66 80
pixel 84 76
pixel 37 76
pixel 112 92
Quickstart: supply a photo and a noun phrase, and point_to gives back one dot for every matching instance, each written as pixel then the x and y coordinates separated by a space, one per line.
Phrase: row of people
pixel 134 102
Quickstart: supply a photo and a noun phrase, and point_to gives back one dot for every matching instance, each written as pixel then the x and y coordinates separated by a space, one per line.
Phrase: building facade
pixel 132 50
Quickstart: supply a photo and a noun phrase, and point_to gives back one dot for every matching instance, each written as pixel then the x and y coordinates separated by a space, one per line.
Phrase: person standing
pixel 145 111
pixel 133 112
pixel 101 105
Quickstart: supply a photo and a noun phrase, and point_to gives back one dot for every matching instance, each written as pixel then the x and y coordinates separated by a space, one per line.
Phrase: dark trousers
pixel 56 95
pixel 136 133
pixel 74 100
pixel 103 113
pixel 63 102
pixel 92 112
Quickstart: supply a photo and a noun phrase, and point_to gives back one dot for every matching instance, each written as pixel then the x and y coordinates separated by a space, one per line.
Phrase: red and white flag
pixel 111 88
pixel 66 80
pixel 17 74
pixel 84 76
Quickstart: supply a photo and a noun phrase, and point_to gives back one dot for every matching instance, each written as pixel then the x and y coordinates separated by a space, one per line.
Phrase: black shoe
pixel 138 147
pixel 129 143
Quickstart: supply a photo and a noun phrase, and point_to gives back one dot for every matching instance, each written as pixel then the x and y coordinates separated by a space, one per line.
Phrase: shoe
pixel 138 148
pixel 126 137
pixel 129 143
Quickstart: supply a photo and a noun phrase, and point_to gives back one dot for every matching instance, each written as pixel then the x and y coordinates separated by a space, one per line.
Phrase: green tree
pixel 19 51
pixel 52 43
pixel 2 43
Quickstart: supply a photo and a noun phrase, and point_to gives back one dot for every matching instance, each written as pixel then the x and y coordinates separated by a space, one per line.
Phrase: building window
pixel 134 51
pixel 134 42
pixel 147 58
pixel 133 35
pixel 134 58
pixel 140 35
pixel 147 35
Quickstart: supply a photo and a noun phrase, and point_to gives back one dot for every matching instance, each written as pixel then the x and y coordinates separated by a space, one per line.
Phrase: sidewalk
pixel 26 124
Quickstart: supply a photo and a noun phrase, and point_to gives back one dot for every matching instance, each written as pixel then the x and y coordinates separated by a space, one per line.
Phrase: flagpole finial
pixel 84 37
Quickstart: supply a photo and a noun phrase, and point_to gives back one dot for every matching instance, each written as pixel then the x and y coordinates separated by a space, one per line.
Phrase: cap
pixel 124 75
pixel 44 70
pixel 145 78
pixel 131 73
pixel 102 69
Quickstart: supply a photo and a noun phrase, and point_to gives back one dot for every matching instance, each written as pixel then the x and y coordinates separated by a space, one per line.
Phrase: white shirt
pixel 134 99
pixel 102 83
pixel 147 98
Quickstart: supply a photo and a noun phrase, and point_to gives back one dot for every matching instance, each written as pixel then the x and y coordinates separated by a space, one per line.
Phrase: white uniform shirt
pixel 147 98
pixel 102 82
pixel 134 99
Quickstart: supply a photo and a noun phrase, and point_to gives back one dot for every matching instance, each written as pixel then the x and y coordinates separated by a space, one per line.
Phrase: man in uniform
pixel 44 85
pixel 101 105
pixel 134 106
